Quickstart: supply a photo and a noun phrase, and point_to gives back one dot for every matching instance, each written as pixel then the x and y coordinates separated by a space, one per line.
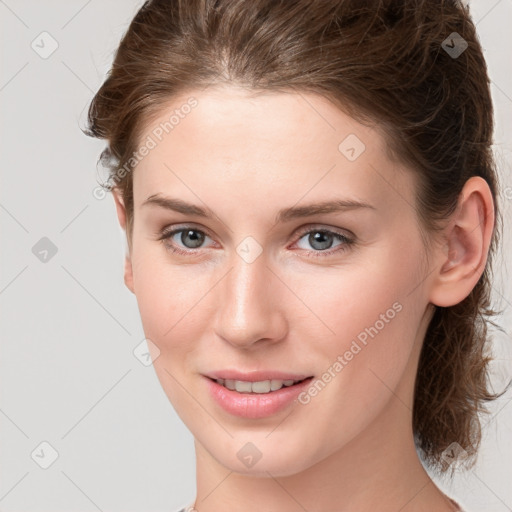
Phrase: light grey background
pixel 68 375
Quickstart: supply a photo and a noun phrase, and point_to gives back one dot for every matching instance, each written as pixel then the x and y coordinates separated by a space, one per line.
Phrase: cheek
pixel 375 318
pixel 366 368
pixel 175 302
pixel 372 317
pixel 173 310
pixel 360 296
pixel 169 300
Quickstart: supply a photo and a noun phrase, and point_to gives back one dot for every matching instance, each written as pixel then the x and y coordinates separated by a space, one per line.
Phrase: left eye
pixel 321 239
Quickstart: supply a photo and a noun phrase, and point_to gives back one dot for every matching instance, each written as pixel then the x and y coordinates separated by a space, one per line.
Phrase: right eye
pixel 190 237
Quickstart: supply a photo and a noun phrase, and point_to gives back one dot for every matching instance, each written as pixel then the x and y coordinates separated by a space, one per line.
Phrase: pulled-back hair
pixel 383 62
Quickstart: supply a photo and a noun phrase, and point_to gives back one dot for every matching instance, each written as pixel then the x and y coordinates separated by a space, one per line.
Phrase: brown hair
pixel 383 62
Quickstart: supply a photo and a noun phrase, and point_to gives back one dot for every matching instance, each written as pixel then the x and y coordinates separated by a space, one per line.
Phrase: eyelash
pixel 347 242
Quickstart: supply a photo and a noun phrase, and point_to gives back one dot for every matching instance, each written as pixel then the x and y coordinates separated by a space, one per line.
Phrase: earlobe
pixel 121 215
pixel 128 274
pixel 461 261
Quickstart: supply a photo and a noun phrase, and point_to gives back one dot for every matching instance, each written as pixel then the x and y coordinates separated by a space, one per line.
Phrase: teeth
pixel 243 387
pixel 263 386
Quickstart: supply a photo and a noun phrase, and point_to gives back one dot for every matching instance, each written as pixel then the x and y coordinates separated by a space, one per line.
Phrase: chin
pixel 260 457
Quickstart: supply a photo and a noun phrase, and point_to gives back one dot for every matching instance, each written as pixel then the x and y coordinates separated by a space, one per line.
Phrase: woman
pixel 309 199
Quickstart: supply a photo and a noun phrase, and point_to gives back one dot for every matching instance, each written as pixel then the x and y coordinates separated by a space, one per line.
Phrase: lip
pixel 254 405
pixel 255 376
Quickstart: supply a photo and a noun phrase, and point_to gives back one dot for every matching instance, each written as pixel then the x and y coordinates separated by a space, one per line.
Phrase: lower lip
pixel 254 405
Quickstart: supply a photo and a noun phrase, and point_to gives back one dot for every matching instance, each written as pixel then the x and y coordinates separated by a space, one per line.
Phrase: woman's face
pixel 261 284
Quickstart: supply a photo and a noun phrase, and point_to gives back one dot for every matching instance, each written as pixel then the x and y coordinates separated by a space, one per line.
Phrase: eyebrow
pixel 284 215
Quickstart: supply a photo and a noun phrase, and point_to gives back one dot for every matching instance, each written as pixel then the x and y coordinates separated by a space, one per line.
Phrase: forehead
pixel 261 145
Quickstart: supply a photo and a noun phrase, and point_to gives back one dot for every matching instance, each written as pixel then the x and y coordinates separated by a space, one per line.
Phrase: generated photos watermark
pixel 356 346
pixel 150 143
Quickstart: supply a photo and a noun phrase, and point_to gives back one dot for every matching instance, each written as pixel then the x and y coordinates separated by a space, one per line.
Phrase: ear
pixel 461 261
pixel 121 215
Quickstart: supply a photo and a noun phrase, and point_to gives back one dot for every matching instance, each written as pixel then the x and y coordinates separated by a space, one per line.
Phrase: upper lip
pixel 255 376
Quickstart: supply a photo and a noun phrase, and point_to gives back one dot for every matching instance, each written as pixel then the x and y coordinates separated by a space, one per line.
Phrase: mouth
pixel 256 399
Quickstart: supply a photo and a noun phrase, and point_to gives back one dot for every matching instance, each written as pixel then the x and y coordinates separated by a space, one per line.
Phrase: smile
pixel 255 399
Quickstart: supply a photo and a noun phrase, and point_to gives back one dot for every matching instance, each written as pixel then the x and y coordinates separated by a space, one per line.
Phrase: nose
pixel 250 310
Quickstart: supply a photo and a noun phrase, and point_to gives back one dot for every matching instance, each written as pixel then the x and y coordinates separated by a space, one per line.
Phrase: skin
pixel 245 157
